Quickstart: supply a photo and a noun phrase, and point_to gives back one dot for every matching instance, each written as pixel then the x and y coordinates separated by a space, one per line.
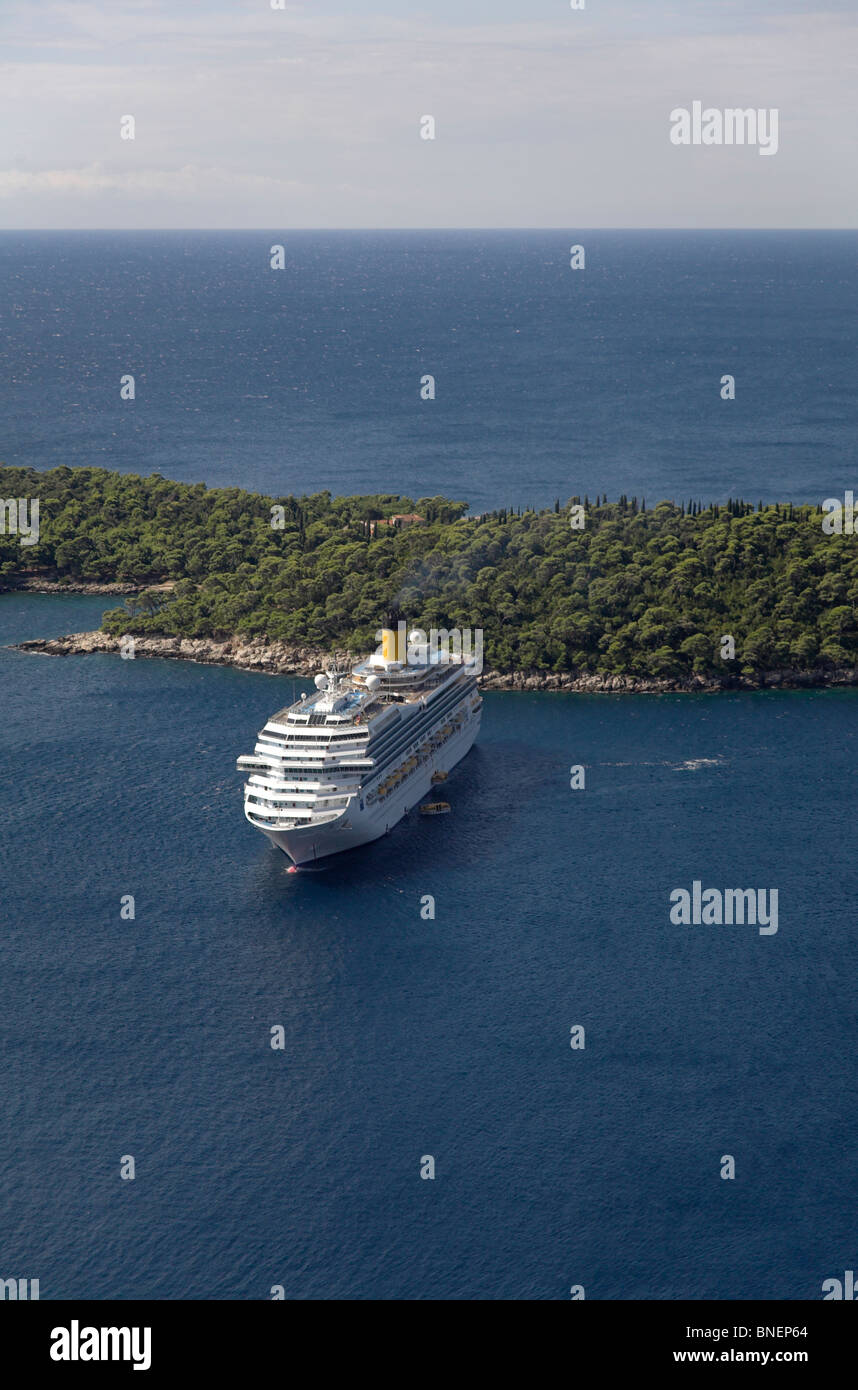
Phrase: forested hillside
pixel 638 591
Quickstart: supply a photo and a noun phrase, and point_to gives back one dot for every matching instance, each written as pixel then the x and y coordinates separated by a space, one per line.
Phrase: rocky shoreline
pixel 282 659
pixel 55 586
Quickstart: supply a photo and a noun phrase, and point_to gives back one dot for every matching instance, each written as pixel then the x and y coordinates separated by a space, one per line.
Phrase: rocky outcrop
pixel 52 586
pixel 249 654
pixel 662 685
pixel 282 659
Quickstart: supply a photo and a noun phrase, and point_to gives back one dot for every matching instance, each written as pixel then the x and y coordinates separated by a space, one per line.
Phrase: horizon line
pixel 565 227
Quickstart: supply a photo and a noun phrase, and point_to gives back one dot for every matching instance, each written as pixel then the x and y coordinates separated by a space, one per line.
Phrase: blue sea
pixel 549 381
pixel 407 1037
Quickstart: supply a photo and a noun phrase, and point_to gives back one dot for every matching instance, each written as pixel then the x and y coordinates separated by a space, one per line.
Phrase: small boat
pixel 435 808
pixel 439 777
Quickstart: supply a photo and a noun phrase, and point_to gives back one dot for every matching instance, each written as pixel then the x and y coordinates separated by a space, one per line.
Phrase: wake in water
pixel 689 764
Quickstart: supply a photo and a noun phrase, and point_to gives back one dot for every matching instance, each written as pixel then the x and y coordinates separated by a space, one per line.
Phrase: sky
pixel 310 116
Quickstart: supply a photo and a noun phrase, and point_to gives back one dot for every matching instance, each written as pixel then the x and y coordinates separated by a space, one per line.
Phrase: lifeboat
pixel 439 777
pixel 435 808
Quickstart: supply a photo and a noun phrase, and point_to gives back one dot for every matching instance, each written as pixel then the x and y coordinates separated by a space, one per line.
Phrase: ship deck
pixel 408 687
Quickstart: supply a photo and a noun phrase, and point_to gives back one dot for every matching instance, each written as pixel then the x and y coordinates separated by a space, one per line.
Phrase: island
pixel 587 594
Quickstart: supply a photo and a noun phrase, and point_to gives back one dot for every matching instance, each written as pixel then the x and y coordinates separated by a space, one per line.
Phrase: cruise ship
pixel 342 766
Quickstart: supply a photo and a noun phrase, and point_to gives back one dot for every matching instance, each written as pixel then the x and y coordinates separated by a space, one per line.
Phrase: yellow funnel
pixel 393 644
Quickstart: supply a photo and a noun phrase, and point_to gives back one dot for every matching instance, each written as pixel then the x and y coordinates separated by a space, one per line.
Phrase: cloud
pixel 190 179
pixel 252 117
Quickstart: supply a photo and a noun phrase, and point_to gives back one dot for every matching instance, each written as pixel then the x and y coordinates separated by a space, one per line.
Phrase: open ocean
pixel 549 382
pixel 406 1037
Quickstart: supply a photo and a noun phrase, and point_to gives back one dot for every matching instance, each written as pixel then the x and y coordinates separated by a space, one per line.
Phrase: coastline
pixel 76 586
pixel 283 659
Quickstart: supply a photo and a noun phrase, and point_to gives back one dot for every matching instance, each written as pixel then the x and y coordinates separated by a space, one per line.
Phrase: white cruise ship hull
pixel 354 827
pixel 340 767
